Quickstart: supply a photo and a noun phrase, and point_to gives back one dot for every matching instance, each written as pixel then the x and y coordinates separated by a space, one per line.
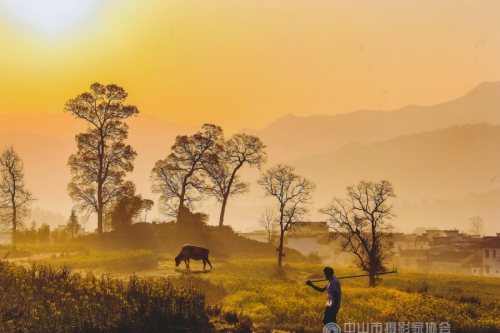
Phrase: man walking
pixel 333 298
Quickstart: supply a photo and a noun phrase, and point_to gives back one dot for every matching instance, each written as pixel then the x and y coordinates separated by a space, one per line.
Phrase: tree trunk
pixel 14 216
pixel 373 281
pixel 280 248
pixel 99 219
pixel 182 196
pixel 222 211
pixel 179 209
pixel 226 195
pixel 100 182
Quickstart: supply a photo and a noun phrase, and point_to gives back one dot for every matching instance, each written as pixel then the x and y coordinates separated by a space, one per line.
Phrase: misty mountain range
pixel 443 160
pixel 292 137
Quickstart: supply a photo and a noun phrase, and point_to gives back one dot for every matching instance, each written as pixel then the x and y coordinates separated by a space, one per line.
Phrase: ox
pixel 192 252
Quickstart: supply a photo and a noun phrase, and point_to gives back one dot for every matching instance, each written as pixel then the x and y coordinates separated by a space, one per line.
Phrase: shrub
pixel 44 299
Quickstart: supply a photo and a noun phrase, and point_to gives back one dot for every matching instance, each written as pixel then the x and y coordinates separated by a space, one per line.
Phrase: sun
pixel 51 17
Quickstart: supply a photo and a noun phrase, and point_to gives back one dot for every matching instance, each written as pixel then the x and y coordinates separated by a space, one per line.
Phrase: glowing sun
pixel 50 17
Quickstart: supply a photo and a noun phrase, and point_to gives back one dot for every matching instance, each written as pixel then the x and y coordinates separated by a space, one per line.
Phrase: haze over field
pixel 344 91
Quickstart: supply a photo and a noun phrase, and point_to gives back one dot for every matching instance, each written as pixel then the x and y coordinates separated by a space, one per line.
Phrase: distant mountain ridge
pixel 440 164
pixel 438 176
pixel 292 137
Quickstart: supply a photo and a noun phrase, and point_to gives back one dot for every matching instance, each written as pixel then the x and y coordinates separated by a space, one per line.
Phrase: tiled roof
pixel 491 242
pixel 452 256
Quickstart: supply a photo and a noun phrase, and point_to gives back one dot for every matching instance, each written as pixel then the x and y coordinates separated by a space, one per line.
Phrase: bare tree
pixel 99 166
pixel 293 193
pixel 476 225
pixel 270 222
pixel 15 198
pixel 362 223
pixel 180 177
pixel 241 149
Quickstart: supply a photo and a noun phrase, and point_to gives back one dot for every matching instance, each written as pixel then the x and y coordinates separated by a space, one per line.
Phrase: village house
pixel 257 235
pixel 491 256
pixel 317 238
pixel 454 262
pixel 411 259
pixel 439 251
pixel 430 250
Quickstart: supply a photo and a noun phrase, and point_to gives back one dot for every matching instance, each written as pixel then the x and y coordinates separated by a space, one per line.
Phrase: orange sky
pixel 245 63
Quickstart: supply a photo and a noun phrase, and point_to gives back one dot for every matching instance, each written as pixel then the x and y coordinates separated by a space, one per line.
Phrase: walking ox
pixel 192 252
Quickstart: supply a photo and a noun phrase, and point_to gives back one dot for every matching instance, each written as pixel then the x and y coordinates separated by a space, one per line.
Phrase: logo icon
pixel 331 328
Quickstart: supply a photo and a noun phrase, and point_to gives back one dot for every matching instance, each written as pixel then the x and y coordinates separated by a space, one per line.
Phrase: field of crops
pixel 280 299
pixel 236 295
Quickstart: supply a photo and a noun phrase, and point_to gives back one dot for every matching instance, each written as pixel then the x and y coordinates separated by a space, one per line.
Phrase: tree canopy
pixel 180 178
pixel 239 150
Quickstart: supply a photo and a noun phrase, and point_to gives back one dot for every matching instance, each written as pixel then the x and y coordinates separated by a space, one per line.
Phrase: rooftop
pixel 491 242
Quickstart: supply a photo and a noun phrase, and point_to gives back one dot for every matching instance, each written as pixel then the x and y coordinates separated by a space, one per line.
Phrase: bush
pixel 43 299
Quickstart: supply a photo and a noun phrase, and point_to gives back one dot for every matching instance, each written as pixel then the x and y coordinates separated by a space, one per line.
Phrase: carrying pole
pixel 355 276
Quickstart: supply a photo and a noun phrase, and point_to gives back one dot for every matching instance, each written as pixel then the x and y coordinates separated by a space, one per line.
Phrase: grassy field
pixel 242 293
pixel 280 299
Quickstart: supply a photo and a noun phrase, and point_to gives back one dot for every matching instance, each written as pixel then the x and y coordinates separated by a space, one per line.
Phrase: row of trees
pixel 199 165
pixel 205 164
pixel 43 235
pixel 361 221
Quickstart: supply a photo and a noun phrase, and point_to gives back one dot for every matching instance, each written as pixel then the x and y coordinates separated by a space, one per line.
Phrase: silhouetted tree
pixel 99 166
pixel 128 207
pixel 43 233
pixel 73 224
pixel 147 204
pixel 15 198
pixel 195 220
pixel 362 223
pixel 293 193
pixel 241 149
pixel 180 177
pixel 27 235
pixel 476 225
pixel 269 221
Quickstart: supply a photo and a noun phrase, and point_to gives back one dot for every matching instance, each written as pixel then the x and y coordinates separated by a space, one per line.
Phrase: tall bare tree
pixel 362 221
pixel 269 221
pixel 15 198
pixel 99 166
pixel 180 178
pixel 476 225
pixel 293 193
pixel 241 149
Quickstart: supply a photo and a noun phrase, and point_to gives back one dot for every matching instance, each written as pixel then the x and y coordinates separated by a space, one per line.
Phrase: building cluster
pixel 430 250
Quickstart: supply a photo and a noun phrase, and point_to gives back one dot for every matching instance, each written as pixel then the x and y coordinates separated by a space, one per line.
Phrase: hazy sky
pixel 244 63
